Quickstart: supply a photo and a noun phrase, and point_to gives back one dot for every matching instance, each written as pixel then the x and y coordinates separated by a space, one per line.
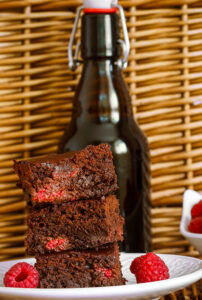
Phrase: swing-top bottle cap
pixel 106 42
pixel 100 7
pixel 99 3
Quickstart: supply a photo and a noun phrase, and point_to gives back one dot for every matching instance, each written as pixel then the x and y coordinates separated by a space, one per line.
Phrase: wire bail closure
pixel 74 62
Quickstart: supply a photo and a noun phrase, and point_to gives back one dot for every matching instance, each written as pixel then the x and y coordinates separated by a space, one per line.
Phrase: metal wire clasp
pixel 74 62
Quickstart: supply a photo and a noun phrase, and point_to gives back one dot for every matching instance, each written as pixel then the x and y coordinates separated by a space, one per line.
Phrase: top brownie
pixel 84 174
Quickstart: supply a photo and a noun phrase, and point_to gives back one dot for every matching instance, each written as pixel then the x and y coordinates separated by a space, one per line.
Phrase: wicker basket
pixel 165 81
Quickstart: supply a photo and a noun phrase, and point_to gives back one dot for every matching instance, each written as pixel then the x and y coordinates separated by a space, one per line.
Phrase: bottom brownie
pixel 74 269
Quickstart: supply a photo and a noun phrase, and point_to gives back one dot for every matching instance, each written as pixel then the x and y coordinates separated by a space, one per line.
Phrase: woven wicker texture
pixel 164 76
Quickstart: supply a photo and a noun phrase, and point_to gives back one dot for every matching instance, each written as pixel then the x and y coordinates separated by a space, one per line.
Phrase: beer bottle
pixel 102 113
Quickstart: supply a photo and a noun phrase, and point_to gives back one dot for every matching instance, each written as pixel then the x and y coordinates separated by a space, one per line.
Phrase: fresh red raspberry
pixel 149 267
pixel 21 275
pixel 106 272
pixel 195 225
pixel 196 210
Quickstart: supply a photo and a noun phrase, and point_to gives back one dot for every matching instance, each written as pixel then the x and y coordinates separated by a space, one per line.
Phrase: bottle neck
pixel 100 36
pixel 102 95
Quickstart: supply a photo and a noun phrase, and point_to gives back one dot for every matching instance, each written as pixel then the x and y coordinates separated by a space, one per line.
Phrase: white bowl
pixel 189 199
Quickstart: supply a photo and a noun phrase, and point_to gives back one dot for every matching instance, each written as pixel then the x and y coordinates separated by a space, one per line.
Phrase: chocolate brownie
pixel 74 269
pixel 71 176
pixel 74 225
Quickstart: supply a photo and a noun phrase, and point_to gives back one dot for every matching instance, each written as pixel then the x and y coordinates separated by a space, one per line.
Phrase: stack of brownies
pixel 74 221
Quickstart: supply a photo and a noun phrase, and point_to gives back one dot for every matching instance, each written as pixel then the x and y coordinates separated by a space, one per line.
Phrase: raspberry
pixel 149 267
pixel 43 196
pixel 196 210
pixel 21 275
pixel 57 244
pixel 106 272
pixel 40 196
pixel 195 225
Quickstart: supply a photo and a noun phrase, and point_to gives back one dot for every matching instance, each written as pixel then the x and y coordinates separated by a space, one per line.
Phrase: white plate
pixel 183 272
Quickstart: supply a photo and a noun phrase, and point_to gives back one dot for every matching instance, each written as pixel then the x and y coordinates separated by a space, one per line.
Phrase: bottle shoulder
pixel 92 133
pixel 102 109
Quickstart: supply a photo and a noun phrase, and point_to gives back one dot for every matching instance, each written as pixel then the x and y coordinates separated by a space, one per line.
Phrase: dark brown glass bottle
pixel 102 112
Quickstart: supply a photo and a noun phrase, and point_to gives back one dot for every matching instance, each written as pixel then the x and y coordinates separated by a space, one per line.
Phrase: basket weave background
pixel 164 76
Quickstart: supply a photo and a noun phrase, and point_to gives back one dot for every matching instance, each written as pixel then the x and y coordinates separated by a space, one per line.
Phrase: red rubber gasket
pixel 100 10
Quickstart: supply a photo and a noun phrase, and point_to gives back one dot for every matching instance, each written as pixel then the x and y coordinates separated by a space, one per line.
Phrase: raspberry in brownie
pixel 84 174
pixel 80 224
pixel 85 268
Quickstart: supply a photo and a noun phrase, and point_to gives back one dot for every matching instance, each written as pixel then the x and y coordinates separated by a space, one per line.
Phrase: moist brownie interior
pixel 74 225
pixel 74 269
pixel 84 174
